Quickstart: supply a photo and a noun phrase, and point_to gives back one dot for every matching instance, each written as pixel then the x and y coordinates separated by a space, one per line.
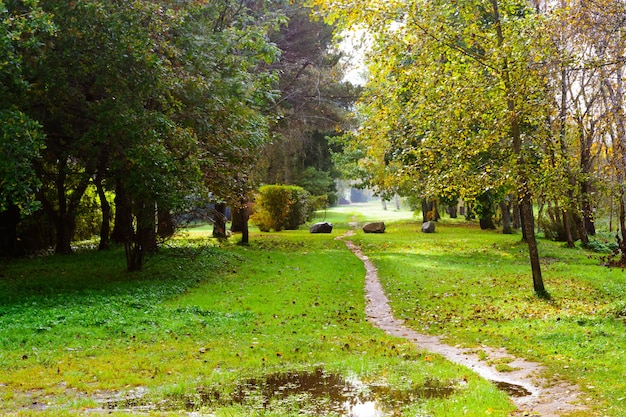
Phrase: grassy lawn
pixel 207 331
pixel 208 328
pixel 474 287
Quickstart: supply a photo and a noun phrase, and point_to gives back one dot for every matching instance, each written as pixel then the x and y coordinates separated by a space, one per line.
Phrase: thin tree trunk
pixel 621 241
pixel 567 229
pixel 517 221
pixel 506 218
pixel 143 240
pixel 245 215
pixel 123 225
pixel 105 207
pixel 529 227
pixel 523 191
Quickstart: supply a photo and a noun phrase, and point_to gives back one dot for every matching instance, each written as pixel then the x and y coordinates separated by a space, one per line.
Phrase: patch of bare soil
pixel 532 394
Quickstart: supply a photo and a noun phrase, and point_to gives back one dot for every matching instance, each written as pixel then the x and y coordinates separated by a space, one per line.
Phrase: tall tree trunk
pixel 244 215
pixel 620 237
pixel 528 224
pixel 143 240
pixel 567 212
pixel 105 207
pixel 524 195
pixel 586 165
pixel 517 220
pixel 123 225
pixel 507 229
pixel 219 221
pixel 567 229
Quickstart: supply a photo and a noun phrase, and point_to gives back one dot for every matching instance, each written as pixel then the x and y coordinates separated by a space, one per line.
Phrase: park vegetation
pixel 123 122
pixel 515 103
pixel 146 113
pixel 203 328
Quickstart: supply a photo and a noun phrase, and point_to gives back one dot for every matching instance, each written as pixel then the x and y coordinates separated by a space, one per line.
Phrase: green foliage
pixel 318 183
pixel 313 103
pixel 601 246
pixel 22 26
pixel 318 202
pixel 21 141
pixel 281 207
pixel 165 100
pixel 435 115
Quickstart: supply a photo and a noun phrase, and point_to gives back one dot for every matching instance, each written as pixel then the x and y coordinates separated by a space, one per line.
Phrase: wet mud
pixel 531 394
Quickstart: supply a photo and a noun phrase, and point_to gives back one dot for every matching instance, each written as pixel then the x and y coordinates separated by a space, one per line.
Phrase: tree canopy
pixel 155 101
pixel 474 97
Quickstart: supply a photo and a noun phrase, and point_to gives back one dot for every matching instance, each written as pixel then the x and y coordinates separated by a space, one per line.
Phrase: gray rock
pixel 428 227
pixel 376 227
pixel 322 227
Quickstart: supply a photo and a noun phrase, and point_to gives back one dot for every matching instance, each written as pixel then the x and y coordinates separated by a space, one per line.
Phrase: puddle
pixel 312 393
pixel 512 389
pixel 321 393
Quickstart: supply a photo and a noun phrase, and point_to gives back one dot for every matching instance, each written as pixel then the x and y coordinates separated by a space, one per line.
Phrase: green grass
pixel 363 212
pixel 202 319
pixel 474 287
pixel 77 329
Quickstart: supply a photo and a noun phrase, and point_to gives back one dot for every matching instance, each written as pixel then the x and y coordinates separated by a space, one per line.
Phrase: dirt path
pixel 532 394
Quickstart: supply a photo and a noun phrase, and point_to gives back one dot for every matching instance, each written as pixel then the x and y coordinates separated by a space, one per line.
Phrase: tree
pixel 313 104
pixel 21 137
pixel 156 101
pixel 96 81
pixel 228 87
pixel 455 89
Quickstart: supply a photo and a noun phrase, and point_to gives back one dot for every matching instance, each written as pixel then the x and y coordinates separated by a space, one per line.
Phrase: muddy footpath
pixel 529 391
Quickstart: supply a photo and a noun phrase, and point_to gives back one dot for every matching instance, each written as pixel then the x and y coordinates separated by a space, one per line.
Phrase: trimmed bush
pixel 281 207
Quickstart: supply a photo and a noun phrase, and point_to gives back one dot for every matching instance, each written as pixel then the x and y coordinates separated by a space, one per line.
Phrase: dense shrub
pixel 281 207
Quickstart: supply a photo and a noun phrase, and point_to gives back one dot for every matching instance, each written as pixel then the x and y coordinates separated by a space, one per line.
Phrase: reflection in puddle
pixel 311 393
pixel 512 389
pixel 319 392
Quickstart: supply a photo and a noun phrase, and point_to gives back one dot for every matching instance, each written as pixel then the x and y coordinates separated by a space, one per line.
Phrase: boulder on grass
pixel 428 227
pixel 376 227
pixel 322 227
